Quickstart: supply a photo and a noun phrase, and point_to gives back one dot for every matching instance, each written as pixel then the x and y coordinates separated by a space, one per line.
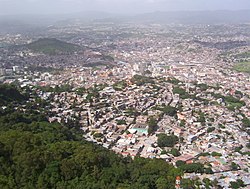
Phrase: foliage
pixel 203 86
pixel 242 67
pixel 132 112
pixel 238 184
pixel 168 110
pixel 9 93
pixel 234 166
pixel 180 163
pixel 52 46
pixel 37 154
pixel 183 94
pixel 173 81
pixel 152 125
pixel 204 154
pixel 201 117
pixel 175 152
pixel 246 122
pixel 121 122
pixel 120 85
pixel 210 129
pixel 164 140
pixel 141 80
pixel 193 168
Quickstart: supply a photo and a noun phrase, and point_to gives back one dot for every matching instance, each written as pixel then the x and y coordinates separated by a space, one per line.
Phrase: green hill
pixel 52 46
pixel 9 93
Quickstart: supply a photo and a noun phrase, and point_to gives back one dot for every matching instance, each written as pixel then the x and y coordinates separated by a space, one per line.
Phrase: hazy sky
pixel 116 6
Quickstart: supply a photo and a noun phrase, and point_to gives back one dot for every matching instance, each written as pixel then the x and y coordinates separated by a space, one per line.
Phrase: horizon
pixel 124 7
pixel 122 14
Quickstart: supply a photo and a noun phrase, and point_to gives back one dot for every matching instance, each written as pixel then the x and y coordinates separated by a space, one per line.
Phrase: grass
pixel 242 67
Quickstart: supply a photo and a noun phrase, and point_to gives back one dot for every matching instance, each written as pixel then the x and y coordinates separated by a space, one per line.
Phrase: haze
pixel 13 7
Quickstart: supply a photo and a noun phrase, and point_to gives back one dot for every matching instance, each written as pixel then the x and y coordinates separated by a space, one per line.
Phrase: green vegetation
pixel 37 154
pixel 203 86
pixel 173 81
pixel 164 140
pixel 201 117
pixel 175 152
pixel 183 94
pixel 234 166
pixel 246 122
pixel 180 163
pixel 232 102
pixel 52 46
pixel 214 154
pixel 141 80
pixel 152 125
pixel 131 112
pixel 168 110
pixel 121 122
pixel 98 135
pixel 242 67
pixel 120 85
pixel 8 94
pixel 204 154
pixel 238 184
pixel 193 168
pixel 210 129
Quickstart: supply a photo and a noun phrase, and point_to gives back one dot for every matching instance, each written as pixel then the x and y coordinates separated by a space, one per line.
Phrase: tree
pixel 152 125
pixel 234 166
pixel 238 184
pixel 162 183
pixel 167 140
pixel 193 168
pixel 180 163
pixel 175 152
pixel 210 129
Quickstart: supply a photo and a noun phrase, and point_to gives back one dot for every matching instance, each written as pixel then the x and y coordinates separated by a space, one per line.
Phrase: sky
pixel 13 7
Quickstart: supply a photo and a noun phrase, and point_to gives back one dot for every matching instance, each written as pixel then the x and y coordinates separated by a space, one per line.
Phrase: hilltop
pixel 52 46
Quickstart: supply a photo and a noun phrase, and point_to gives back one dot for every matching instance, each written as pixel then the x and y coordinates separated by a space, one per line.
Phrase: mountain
pixel 22 23
pixel 195 17
pixel 52 46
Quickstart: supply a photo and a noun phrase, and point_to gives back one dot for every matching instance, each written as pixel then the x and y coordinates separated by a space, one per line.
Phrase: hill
pixel 52 46
pixel 37 154
pixel 10 94
pixel 195 17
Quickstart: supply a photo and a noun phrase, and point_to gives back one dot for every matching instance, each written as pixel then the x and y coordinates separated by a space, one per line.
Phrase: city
pixel 129 86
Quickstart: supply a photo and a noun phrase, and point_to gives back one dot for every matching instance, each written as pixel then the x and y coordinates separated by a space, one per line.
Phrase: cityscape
pixel 174 92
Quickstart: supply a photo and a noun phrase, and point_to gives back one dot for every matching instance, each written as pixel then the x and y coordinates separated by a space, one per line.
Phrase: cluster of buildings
pixel 182 69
